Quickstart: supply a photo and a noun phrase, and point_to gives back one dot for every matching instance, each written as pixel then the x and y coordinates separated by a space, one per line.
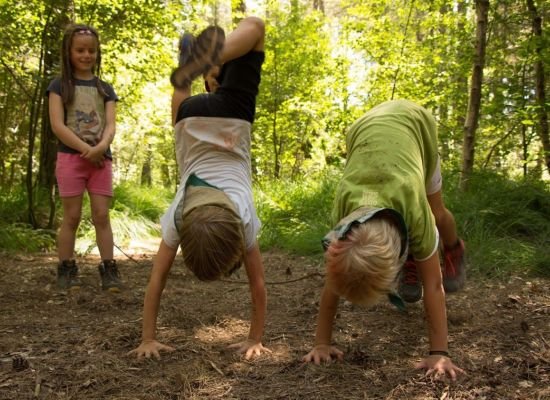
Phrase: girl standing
pixel 82 114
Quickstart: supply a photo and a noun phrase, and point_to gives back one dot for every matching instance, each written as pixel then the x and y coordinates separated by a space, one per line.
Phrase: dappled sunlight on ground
pixel 73 346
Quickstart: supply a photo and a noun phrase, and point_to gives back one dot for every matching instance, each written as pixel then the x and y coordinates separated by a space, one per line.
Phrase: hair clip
pixel 84 32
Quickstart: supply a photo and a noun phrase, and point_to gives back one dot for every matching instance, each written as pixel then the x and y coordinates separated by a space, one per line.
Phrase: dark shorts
pixel 236 96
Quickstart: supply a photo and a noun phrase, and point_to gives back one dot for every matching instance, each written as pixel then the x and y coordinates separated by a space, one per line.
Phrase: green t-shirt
pixel 392 155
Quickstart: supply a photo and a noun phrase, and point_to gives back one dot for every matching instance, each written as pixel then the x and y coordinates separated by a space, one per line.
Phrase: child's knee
pixel 258 24
pixel 100 217
pixel 72 220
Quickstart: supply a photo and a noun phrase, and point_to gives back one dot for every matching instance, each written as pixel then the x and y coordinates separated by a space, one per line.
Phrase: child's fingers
pixel 337 352
pixel 452 373
pixel 252 352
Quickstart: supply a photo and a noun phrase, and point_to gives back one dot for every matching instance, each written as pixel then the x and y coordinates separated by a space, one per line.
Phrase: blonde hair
pixel 212 242
pixel 365 264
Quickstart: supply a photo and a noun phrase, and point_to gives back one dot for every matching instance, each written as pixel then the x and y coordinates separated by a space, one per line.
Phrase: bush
pixel 505 223
pixel 296 215
pixel 20 237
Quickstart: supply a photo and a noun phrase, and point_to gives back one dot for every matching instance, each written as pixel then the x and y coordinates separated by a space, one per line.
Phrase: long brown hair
pixel 67 78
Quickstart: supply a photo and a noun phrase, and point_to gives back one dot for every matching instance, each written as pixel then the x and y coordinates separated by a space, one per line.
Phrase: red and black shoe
pixel 410 287
pixel 454 268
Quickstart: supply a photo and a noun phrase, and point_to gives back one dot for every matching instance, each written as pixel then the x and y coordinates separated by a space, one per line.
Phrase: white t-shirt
pixel 217 150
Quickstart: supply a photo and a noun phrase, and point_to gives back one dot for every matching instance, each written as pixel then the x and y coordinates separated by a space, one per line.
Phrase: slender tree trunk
pixel 540 94
pixel 53 32
pixel 459 106
pixel 274 134
pixel 474 103
pixel 319 5
pixel 36 105
pixel 146 170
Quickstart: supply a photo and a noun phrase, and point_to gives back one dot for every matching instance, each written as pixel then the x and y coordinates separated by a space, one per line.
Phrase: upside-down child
pixel 389 206
pixel 213 218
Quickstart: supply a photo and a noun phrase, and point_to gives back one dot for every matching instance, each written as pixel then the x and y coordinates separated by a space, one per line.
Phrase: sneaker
pixel 110 277
pixel 198 56
pixel 67 275
pixel 185 48
pixel 410 287
pixel 454 271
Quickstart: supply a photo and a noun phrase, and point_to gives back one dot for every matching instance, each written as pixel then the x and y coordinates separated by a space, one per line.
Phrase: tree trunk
pixel 540 94
pixel 459 102
pixel 319 5
pixel 474 102
pixel 146 170
pixel 53 32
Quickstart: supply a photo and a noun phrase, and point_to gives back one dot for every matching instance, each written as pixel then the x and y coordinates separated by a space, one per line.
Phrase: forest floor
pixel 74 346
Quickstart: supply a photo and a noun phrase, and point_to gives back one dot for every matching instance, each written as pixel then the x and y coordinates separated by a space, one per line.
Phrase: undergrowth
pixel 505 223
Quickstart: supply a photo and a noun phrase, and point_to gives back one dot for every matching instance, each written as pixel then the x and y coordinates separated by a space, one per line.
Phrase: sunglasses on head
pixel 83 31
pixel 341 231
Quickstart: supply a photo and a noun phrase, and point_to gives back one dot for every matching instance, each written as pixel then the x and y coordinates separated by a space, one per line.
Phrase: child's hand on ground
pixel 323 353
pixel 439 366
pixel 147 348
pixel 250 348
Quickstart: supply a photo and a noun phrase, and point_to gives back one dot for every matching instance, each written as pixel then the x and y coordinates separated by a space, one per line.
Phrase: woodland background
pixel 480 66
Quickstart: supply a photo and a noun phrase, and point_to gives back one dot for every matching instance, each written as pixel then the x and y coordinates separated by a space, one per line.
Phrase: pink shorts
pixel 75 174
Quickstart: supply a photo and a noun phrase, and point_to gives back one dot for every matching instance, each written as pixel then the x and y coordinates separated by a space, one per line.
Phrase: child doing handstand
pixel 388 205
pixel 213 217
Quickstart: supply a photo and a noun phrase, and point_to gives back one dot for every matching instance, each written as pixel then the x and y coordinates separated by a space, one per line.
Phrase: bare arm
pixel 95 153
pixel 323 350
pixel 157 281
pixel 434 302
pixel 62 131
pixel 178 96
pixel 256 281
pixel 248 35
pixel 110 125
pixel 436 314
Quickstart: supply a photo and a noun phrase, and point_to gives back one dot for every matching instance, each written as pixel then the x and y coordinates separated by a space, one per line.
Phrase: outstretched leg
pixel 196 55
pixel 247 36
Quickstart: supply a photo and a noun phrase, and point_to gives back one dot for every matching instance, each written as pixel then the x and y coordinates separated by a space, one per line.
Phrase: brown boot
pixel 110 277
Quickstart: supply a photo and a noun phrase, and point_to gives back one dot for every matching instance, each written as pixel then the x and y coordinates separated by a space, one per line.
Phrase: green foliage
pixel 15 234
pixel 296 215
pixel 134 215
pixel 145 202
pixel 12 205
pixel 322 71
pixel 506 223
pixel 22 238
